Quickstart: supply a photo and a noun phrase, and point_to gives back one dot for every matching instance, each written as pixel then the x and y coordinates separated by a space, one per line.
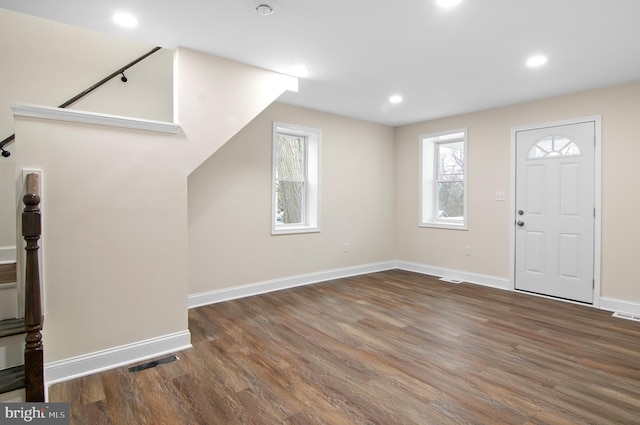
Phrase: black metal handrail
pixel 79 96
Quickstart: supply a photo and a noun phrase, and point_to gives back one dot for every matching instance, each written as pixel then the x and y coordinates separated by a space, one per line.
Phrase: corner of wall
pixel 216 97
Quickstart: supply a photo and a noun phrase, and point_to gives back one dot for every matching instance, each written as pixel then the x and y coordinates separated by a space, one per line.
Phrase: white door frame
pixel 597 200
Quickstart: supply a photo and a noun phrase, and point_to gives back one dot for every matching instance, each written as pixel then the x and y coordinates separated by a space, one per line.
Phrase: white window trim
pixel 312 188
pixel 427 188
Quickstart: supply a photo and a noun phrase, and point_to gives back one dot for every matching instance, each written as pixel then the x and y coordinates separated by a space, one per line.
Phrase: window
pixel 296 179
pixel 443 179
pixel 553 146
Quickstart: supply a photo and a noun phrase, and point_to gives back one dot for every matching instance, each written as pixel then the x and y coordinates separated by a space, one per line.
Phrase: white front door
pixel 555 211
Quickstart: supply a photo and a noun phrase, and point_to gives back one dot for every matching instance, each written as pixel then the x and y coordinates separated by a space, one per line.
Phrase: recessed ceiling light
pixel 264 9
pixel 301 71
pixel 448 3
pixel 535 61
pixel 125 19
pixel 396 98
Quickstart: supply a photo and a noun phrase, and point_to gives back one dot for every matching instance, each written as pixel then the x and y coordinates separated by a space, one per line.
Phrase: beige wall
pixel 90 302
pixel 47 63
pixel 114 243
pixel 114 234
pixel 230 243
pixel 216 97
pixel 7 203
pixel 489 153
pixel 115 231
pixel 229 196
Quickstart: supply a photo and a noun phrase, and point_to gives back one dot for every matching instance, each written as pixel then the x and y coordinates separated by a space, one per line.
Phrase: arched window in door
pixel 553 146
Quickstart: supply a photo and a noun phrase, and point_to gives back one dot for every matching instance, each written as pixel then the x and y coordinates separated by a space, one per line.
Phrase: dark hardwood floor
pixel 387 348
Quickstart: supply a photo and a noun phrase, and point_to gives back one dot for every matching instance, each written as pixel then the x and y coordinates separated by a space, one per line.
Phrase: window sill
pixel 294 230
pixel 438 225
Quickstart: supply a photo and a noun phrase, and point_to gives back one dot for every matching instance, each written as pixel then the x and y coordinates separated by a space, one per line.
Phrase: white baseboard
pixel 479 279
pixel 614 304
pixel 8 301
pixel 7 254
pixel 212 297
pixel 227 294
pixel 75 367
pixel 15 396
pixel 11 351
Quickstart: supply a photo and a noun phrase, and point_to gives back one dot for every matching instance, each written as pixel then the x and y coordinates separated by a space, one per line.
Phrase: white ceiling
pixel 443 62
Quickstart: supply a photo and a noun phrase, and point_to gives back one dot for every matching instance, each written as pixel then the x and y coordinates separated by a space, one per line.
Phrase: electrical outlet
pixel 499 196
pixel 346 247
pixel 467 250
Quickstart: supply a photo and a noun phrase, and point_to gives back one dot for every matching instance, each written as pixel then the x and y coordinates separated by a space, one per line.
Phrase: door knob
pixel 520 223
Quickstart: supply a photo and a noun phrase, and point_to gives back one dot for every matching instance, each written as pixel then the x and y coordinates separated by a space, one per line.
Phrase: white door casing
pixel 555 234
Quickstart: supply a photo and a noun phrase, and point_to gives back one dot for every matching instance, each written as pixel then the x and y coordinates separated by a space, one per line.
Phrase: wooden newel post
pixel 33 353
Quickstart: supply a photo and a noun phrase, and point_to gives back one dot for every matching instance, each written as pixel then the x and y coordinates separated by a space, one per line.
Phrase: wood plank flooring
pixel 386 348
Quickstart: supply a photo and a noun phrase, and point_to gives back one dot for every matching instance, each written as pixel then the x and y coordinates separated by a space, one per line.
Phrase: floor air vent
pixel 154 363
pixel 447 279
pixel 627 316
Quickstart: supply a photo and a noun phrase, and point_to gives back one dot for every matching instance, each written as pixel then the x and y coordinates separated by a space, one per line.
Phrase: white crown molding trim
pixel 84 117
pixel 87 364
pixel 7 254
pixel 478 279
pixel 623 306
pixel 227 294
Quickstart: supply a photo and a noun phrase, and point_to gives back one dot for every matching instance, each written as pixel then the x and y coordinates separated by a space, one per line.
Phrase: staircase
pixel 21 349
pixel 12 333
